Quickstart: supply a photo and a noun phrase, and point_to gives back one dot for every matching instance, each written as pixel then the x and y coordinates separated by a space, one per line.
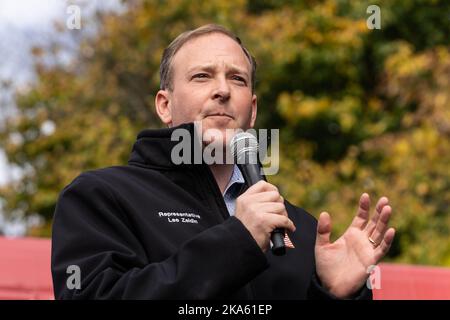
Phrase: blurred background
pixel 359 110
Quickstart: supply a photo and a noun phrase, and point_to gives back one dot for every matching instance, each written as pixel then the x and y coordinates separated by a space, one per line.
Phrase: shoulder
pixel 93 178
pixel 95 191
pixel 97 181
pixel 113 177
pixel 115 182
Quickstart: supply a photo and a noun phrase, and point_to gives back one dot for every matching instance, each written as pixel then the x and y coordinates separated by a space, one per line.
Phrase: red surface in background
pixel 25 268
pixel 410 282
pixel 25 274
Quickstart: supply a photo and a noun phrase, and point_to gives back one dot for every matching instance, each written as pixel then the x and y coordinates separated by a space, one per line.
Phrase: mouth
pixel 219 115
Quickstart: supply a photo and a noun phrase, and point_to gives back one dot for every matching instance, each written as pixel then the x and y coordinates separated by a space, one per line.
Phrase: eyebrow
pixel 212 68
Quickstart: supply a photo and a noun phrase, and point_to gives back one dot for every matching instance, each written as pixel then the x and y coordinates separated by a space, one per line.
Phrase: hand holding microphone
pixel 261 208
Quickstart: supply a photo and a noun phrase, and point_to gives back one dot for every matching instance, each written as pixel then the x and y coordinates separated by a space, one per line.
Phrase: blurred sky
pixel 23 24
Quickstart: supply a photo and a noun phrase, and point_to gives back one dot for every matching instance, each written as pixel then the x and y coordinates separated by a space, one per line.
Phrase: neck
pixel 222 173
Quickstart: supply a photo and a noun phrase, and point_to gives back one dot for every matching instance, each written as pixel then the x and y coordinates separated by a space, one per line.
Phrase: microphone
pixel 244 149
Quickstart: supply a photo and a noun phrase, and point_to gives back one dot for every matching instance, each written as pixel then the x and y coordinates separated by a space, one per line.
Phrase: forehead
pixel 214 48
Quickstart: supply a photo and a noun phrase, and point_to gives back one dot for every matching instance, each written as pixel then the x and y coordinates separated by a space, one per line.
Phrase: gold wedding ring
pixel 372 242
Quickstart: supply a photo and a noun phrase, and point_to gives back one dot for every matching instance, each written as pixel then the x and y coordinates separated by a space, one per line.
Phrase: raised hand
pixel 342 265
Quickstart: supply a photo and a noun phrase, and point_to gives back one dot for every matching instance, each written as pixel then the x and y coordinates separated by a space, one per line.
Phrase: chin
pixel 219 129
pixel 219 122
pixel 217 135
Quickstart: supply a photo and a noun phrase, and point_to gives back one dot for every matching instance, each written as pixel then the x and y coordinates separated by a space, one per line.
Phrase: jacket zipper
pixel 220 202
pixel 218 198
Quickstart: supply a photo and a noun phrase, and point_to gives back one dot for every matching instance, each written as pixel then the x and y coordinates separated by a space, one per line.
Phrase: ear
pixel 254 111
pixel 163 106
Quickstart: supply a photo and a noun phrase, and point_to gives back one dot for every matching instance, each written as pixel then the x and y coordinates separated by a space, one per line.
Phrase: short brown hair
pixel 165 68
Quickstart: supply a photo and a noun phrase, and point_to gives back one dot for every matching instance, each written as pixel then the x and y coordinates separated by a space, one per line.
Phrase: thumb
pixel 323 229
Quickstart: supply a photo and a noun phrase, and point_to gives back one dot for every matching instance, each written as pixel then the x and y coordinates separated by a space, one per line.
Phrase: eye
pixel 239 78
pixel 200 76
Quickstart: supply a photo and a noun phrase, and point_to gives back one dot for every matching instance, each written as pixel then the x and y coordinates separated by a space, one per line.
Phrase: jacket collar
pixel 153 147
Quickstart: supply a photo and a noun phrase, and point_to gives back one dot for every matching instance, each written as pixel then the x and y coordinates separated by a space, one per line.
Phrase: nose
pixel 222 91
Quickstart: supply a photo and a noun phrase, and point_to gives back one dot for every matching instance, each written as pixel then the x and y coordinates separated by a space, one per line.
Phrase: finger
pixel 323 229
pixel 261 186
pixel 271 207
pixel 278 221
pixel 266 196
pixel 382 202
pixel 362 217
pixel 382 224
pixel 385 244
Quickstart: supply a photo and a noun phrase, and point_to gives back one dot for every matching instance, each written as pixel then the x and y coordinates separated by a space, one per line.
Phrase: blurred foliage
pixel 359 110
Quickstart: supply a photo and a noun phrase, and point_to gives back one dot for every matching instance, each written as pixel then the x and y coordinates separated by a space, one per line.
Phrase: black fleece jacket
pixel 155 230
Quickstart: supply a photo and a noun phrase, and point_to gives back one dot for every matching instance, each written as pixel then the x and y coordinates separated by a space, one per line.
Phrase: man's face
pixel 211 81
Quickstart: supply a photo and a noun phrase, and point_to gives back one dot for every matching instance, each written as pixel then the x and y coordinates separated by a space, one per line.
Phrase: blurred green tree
pixel 359 110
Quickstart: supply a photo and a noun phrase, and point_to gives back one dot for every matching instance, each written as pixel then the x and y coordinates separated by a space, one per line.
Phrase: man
pixel 157 230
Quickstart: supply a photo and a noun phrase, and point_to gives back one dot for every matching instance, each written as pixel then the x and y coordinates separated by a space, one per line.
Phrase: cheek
pixel 186 107
pixel 246 121
pixel 245 112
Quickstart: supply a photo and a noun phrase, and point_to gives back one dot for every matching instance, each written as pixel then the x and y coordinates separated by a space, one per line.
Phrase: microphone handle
pixel 252 174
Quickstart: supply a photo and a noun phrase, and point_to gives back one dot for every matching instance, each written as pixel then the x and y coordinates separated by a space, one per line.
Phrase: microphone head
pixel 244 148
